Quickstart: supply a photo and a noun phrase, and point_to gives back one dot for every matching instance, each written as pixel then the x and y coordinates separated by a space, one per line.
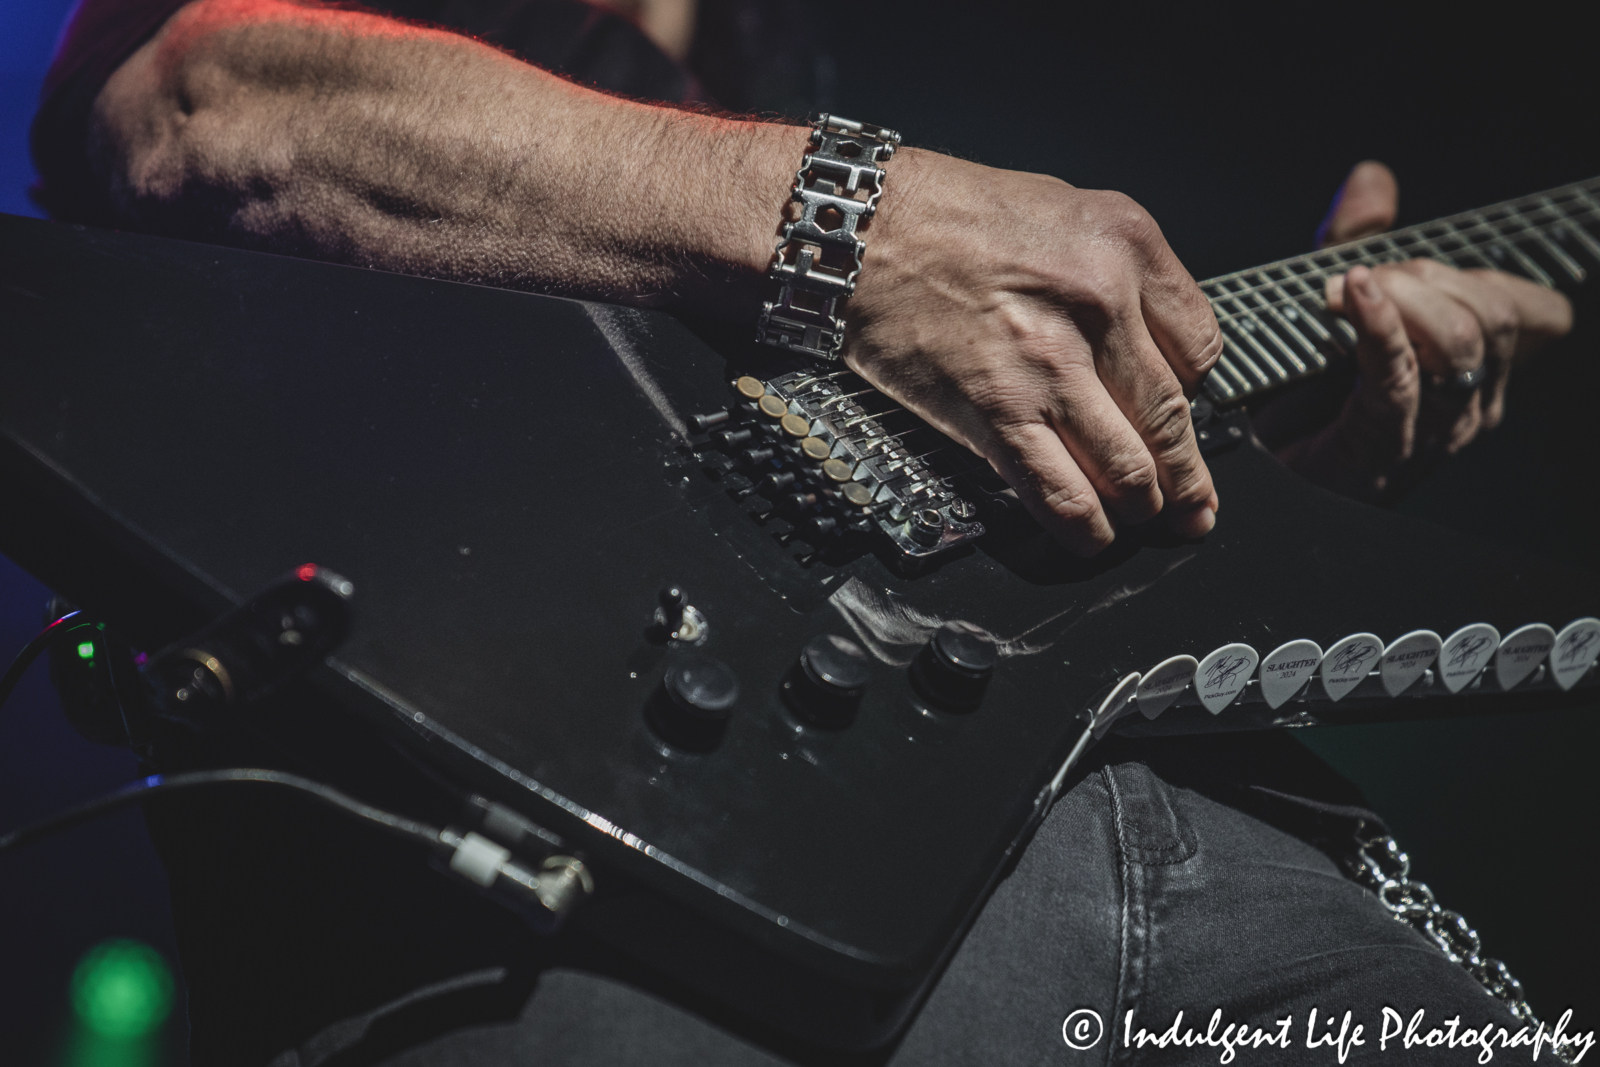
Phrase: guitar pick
pixel 1465 653
pixel 1222 675
pixel 1347 662
pixel 1407 659
pixel 1286 669
pixel 1115 705
pixel 1523 649
pixel 1163 682
pixel 1576 647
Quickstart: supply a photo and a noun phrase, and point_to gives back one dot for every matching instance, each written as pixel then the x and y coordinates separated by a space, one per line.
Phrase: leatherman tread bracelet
pixel 818 258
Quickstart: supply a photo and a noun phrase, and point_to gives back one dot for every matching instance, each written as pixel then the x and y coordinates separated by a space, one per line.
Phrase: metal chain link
pixel 1380 865
pixel 818 257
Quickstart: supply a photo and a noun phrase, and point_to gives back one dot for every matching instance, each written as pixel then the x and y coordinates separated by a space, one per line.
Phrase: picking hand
pixel 1049 329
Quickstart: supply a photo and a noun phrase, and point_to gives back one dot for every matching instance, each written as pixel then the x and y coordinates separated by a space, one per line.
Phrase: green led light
pixel 86 650
pixel 122 989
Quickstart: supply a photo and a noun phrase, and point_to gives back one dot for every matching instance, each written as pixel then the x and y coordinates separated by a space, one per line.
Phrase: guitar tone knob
pixel 692 706
pixel 824 687
pixel 954 668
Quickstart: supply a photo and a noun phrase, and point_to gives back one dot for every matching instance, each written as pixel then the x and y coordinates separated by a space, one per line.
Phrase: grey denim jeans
pixel 1194 876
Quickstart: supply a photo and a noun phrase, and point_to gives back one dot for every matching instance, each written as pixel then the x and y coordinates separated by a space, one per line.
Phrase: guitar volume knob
pixel 824 687
pixel 696 698
pixel 954 667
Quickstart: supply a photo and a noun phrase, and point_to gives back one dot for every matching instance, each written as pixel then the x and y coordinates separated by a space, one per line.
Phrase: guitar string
pixel 1536 214
pixel 1471 239
pixel 1321 273
pixel 1543 202
pixel 1251 310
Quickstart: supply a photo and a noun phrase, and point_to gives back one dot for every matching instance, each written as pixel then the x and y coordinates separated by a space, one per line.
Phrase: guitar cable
pixel 157 784
pixel 30 652
pixel 139 791
pixel 543 894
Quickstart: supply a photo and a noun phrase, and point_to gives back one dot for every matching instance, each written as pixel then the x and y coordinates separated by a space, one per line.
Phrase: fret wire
pixel 1581 235
pixel 1252 343
pixel 1414 232
pixel 1583 190
pixel 1217 384
pixel 1459 259
pixel 1528 227
pixel 1522 258
pixel 1298 365
pixel 1263 291
pixel 1312 353
pixel 1573 268
pixel 1248 331
pixel 1437 253
pixel 1300 305
pixel 1241 357
pixel 1245 385
pixel 1288 351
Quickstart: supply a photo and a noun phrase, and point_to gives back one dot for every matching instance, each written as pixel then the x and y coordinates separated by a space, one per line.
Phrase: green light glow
pixel 122 989
pixel 86 650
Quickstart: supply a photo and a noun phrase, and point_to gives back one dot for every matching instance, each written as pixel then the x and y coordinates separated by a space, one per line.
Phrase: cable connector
pixel 252 651
pixel 544 896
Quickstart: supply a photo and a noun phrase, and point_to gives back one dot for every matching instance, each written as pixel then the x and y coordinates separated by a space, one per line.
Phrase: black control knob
pixel 954 668
pixel 695 699
pixel 824 688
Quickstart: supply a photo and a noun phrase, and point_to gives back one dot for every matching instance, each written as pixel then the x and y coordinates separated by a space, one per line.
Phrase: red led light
pixel 306 571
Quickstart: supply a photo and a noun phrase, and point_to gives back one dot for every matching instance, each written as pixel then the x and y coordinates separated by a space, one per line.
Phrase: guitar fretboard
pixel 1277 328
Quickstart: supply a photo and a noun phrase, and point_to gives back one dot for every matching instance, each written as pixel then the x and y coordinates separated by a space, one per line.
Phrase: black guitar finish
pixel 501 477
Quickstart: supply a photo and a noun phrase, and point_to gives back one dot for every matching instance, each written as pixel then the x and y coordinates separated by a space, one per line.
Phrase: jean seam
pixel 1126 972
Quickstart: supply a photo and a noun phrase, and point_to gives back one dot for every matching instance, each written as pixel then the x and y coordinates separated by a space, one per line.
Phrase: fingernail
pixel 1335 292
pixel 1196 523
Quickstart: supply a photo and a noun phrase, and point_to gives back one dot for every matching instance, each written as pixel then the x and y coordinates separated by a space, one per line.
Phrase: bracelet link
pixel 818 257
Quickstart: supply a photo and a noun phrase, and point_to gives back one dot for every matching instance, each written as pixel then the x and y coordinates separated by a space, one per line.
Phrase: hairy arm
pixel 1048 328
pixel 340 135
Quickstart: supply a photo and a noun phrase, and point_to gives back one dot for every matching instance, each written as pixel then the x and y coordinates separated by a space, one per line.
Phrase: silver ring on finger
pixel 1465 382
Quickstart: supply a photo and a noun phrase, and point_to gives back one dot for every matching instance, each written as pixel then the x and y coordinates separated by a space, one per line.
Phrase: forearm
pixel 344 136
pixel 1050 329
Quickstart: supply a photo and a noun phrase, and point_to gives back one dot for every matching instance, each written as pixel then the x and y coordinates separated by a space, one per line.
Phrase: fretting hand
pixel 1420 324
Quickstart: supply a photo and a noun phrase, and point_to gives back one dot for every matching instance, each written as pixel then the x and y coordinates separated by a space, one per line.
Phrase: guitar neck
pixel 1277 328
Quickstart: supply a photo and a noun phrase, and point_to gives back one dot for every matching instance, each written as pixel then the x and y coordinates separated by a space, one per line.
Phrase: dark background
pixel 60 897
pixel 1234 125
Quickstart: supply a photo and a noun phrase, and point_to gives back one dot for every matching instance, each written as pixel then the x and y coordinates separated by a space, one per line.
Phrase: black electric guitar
pixel 734 627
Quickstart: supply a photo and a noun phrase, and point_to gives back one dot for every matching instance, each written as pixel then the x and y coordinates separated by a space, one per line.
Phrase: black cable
pixel 31 652
pixel 137 792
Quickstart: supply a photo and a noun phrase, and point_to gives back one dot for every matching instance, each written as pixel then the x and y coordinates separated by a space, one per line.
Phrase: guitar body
pixel 509 481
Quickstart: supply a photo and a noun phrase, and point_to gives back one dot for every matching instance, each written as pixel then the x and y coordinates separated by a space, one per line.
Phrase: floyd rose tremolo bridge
pixel 807 444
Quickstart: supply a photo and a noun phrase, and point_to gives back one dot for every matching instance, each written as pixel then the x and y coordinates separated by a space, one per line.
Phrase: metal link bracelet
pixel 1379 864
pixel 818 258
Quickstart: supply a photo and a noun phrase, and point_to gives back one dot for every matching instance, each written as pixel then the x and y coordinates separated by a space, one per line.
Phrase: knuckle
pixel 1131 477
pixel 1203 353
pixel 1423 268
pixel 1072 504
pixel 1166 424
pixel 1500 324
pixel 1462 336
pixel 1119 215
pixel 1006 406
